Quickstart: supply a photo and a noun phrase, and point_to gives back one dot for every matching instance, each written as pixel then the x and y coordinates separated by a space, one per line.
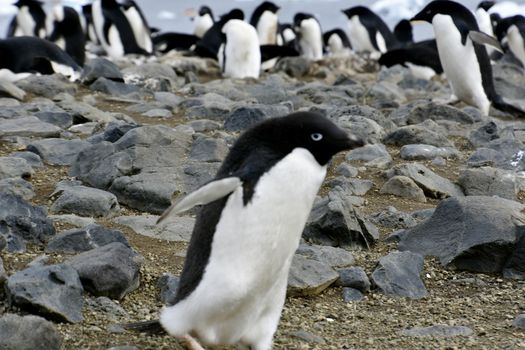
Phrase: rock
pixel 364 128
pixel 204 125
pixel 61 119
pixel 178 230
pixel 385 95
pixel 151 75
pixel 438 331
pixel 308 337
pixel 355 278
pixel 434 111
pixel 208 149
pixel 84 201
pixel 483 135
pixel 243 117
pixel 295 67
pixel 398 274
pixel 209 106
pixel 111 270
pixel 334 257
pixel 309 277
pixel 487 181
pixel 46 85
pixel 28 127
pixel 58 151
pixel 158 113
pixel 433 185
pixel 515 265
pixel 168 285
pixel 368 152
pixel 486 157
pixel 392 218
pixel 405 187
pixel 86 238
pixel 416 134
pixel 113 88
pixel 14 167
pixel 28 333
pixel 53 291
pixel 87 111
pixel 100 68
pixel 519 321
pixel 18 187
pixel 168 99
pixel 422 152
pixel 108 307
pixel 357 187
pixel 73 220
pixel 346 170
pixel 473 233
pixel 20 222
pixel 32 158
pixel 351 294
pixel 3 243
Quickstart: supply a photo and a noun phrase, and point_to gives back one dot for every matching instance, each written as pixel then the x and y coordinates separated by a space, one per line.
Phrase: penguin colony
pixel 233 283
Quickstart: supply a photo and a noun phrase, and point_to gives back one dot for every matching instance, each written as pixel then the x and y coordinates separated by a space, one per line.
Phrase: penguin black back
pixel 38 15
pixel 372 22
pixel 70 29
pixel 259 10
pixel 423 53
pixel 403 33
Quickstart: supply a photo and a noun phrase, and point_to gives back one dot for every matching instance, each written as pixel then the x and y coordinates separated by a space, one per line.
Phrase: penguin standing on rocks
pixel 67 32
pixel 264 19
pixel 233 284
pixel 203 21
pixel 336 42
pixel 309 36
pixel 403 33
pixel 513 30
pixel 87 22
pixel 463 55
pixel 29 21
pixel 240 55
pixel 483 17
pixel 367 32
pixel 139 25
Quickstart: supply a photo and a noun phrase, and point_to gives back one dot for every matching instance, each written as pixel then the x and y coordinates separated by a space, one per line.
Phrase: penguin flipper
pixel 484 39
pixel 152 327
pixel 208 193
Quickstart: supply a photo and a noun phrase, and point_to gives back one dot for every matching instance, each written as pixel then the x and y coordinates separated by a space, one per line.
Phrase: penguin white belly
pixel 311 39
pixel 267 28
pixel 359 37
pixel 421 72
pixel 140 32
pixel 516 43
pixel 25 22
pixel 202 24
pixel 242 54
pixel 242 291
pixel 114 48
pixel 485 25
pixel 98 22
pixel 65 70
pixel 460 63
pixel 335 45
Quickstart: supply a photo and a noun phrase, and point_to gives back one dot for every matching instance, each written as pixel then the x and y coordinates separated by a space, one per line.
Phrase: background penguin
pixel 264 19
pixel 233 284
pixel 29 21
pixel 309 36
pixel 139 25
pixel 483 17
pixel 403 33
pixel 240 55
pixel 465 61
pixel 89 27
pixel 368 32
pixel 513 29
pixel 67 32
pixel 34 55
pixel 165 42
pixel 336 42
pixel 203 21
pixel 287 35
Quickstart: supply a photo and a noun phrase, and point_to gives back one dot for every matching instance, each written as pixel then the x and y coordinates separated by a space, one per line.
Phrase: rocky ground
pixel 416 240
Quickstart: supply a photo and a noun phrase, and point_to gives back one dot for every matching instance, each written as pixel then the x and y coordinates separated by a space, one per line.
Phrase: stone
pixel 368 152
pixel 158 113
pixel 416 134
pixel 434 111
pixel 168 285
pixel 351 294
pixel 3 243
pixel 84 201
pixel 209 106
pixel 398 274
pixel 352 186
pixel 111 270
pixel 84 239
pixel 485 157
pixel 151 75
pixel 108 307
pixel 53 291
pixel 72 219
pixel 208 149
pixel 28 333
pixel 18 187
pixel 392 218
pixel 487 181
pixel 46 85
pixel 61 119
pixel 293 66
pixel 15 167
pixel 88 112
pixel 28 127
pixel 484 134
pixel 177 230
pixel 438 331
pixel 168 98
pixel 308 277
pixel 355 278
pixel 474 233
pixel 385 95
pixel 364 128
pixel 113 88
pixel 515 265
pixel 204 125
pixel 519 321
pixel 308 337
pixel 346 170
pixel 32 158
pixel 433 185
pixel 244 117
pixel 100 68
pixel 403 186
pixel 423 152
pixel 58 151
pixel 332 256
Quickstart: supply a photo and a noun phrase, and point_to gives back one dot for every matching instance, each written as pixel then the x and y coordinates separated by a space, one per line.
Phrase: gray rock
pixel 32 158
pixel 73 220
pixel 309 277
pixel 332 256
pixel 433 185
pixel 473 233
pixel 416 134
pixel 208 149
pixel 364 128
pixel 368 152
pixel 403 186
pixel 84 201
pixel 398 274
pixel 111 270
pixel 351 294
pixel 100 68
pixel 61 119
pixel 308 337
pixel 434 111
pixel 58 151
pixel 423 214
pixel 385 95
pixel 20 222
pixel 168 285
pixel 3 243
pixel 28 333
pixel 46 85
pixel 438 331
pixel 515 265
pixel 18 187
pixel 53 291
pixel 28 127
pixel 346 170
pixel 519 321
pixel 151 75
pixel 204 125
pixel 108 307
pixel 86 238
pixel 483 135
pixel 14 167
pixel 354 277
pixel 168 98
pixel 87 111
pixel 209 106
pixel 178 230
pixel 3 274
pixel 113 88
pixel 158 113
pixel 422 152
pixel 486 157
pixel 487 181
pixel 293 66
pixel 392 218
pixel 513 152
pixel 243 117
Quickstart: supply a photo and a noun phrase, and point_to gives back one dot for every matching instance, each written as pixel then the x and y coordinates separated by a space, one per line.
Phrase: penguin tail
pixel 503 106
pixel 151 327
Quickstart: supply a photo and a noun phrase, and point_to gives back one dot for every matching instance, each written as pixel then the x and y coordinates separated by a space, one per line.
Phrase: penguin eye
pixel 316 136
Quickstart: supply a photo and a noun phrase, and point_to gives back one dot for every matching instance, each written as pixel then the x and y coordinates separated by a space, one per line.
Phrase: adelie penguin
pixel 240 55
pixel 87 23
pixel 139 25
pixel 463 55
pixel 264 19
pixel 513 30
pixel 29 21
pixel 233 284
pixel 367 31
pixel 67 32
pixel 336 43
pixel 309 36
pixel 203 21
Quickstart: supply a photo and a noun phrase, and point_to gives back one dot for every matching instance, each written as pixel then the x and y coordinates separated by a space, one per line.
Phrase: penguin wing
pixel 484 39
pixel 208 193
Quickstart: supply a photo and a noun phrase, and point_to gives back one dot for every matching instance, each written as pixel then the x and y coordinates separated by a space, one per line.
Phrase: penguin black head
pixel 445 7
pixel 28 3
pixel 358 11
pixel 268 6
pixel 299 17
pixel 403 32
pixel 486 5
pixel 110 4
pixel 233 14
pixel 504 24
pixel 205 10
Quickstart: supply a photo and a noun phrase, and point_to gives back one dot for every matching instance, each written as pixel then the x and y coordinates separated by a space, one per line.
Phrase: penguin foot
pixel 190 342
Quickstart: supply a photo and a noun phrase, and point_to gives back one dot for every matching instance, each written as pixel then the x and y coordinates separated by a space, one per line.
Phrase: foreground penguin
pixel 233 284
pixel 264 19
pixel 309 36
pixel 463 56
pixel 29 21
pixel 240 55
pixel 67 32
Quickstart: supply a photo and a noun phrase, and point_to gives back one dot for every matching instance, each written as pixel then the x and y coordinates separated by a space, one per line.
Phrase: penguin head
pixel 403 32
pixel 486 5
pixel 308 130
pixel 298 18
pixel 205 10
pixel 28 3
pixel 357 11
pixel 233 14
pixel 269 6
pixel 443 7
